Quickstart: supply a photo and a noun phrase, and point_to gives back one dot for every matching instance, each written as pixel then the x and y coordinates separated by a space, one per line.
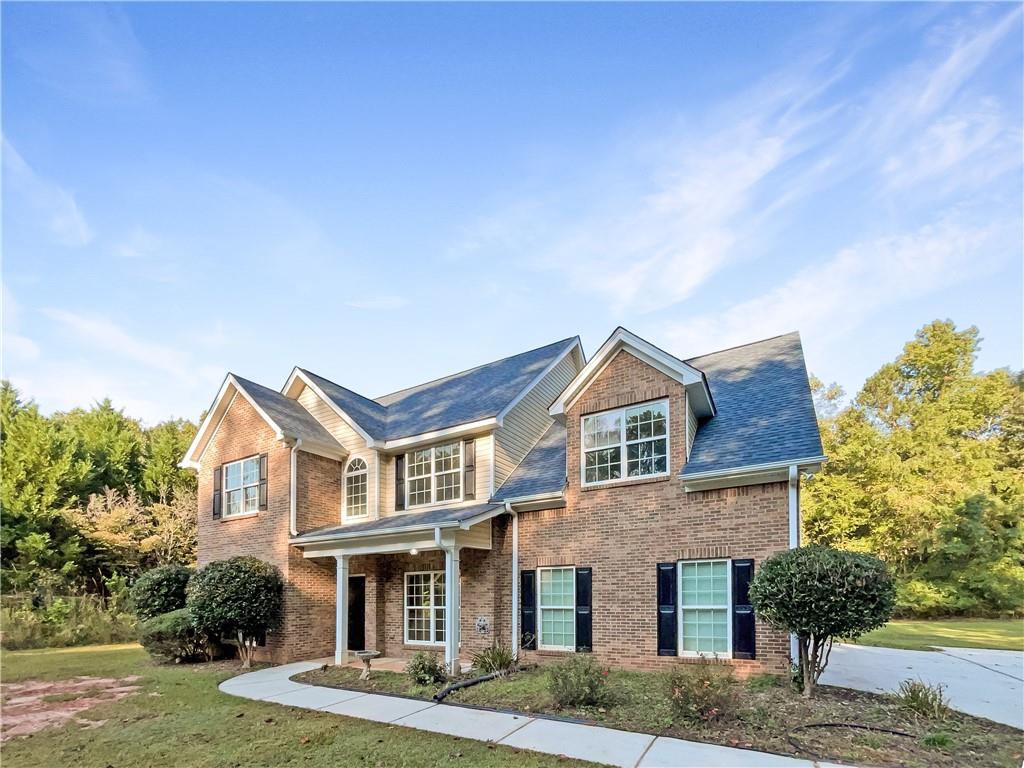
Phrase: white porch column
pixel 341 612
pixel 452 614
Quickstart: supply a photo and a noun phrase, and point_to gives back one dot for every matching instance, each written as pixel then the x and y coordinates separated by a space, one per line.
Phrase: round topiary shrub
pixel 819 594
pixel 160 590
pixel 239 598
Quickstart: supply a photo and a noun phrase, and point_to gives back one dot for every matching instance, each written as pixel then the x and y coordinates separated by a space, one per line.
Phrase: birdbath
pixel 365 657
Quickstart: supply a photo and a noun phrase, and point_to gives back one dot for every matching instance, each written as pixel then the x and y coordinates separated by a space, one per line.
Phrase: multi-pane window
pixel 424 607
pixel 434 474
pixel 557 606
pixel 355 488
pixel 631 442
pixel 242 486
pixel 704 607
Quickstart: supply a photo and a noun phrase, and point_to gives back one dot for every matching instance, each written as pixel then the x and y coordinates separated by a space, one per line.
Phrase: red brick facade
pixel 622 531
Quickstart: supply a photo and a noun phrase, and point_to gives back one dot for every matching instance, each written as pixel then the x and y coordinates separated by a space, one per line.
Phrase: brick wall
pixel 622 530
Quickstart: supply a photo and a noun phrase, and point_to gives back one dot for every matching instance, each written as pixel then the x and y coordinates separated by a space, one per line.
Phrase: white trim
pixel 728 609
pixel 621 339
pixel 298 373
pixel 572 345
pixel 433 475
pixel 540 609
pixel 342 534
pixel 341 611
pixel 293 493
pixel 431 608
pixel 365 471
pixel 548 496
pixel 440 435
pixel 749 468
pixel 623 443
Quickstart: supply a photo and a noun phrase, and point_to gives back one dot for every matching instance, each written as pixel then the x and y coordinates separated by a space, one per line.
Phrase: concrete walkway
pixel 979 682
pixel 585 742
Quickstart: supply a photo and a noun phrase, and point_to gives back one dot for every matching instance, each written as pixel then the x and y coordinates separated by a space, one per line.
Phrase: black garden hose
pixel 802 749
pixel 467 683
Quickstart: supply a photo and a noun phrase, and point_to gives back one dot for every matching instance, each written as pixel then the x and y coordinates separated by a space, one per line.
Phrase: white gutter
pixel 736 471
pixel 437 537
pixel 396 530
pixel 292 514
pixel 515 577
pixel 794 535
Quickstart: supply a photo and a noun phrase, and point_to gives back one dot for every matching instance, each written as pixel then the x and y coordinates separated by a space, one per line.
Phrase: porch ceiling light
pixel 414 551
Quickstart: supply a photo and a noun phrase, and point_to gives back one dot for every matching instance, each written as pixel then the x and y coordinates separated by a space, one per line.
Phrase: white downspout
pixel 293 494
pixel 515 578
pixel 794 534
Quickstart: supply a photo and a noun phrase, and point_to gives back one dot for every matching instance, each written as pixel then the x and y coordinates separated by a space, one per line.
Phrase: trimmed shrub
pixel 703 691
pixel 497 658
pixel 239 598
pixel 926 700
pixel 426 669
pixel 172 637
pixel 159 591
pixel 819 594
pixel 578 681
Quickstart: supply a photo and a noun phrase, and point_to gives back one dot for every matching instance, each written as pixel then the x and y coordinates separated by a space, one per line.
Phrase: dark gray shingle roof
pixel 409 520
pixel 765 411
pixel 290 417
pixel 478 393
pixel 543 469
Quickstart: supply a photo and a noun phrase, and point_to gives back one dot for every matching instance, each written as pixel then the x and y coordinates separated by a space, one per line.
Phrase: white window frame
pixel 224 505
pixel 540 610
pixel 365 472
pixel 728 608
pixel 432 608
pixel 433 475
pixel 623 462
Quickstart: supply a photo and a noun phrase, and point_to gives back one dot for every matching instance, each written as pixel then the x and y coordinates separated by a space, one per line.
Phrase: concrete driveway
pixel 979 682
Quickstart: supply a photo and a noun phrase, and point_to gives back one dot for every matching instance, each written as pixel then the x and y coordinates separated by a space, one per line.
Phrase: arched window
pixel 355 488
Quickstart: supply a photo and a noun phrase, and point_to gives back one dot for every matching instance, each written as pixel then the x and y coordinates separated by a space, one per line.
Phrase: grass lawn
pixel 767 710
pixel 1003 634
pixel 180 719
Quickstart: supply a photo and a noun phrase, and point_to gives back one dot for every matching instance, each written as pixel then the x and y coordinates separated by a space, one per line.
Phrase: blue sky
pixel 388 193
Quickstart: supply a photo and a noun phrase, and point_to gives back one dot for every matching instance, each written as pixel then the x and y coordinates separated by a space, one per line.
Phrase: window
pixel 424 607
pixel 355 488
pixel 704 626
pixel 242 486
pixel 434 474
pixel 631 442
pixel 557 606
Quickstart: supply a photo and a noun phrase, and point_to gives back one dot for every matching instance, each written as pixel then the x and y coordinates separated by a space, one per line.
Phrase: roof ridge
pixel 377 400
pixel 745 344
pixel 341 386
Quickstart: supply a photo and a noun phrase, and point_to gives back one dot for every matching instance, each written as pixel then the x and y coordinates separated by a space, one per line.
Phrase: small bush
pixel 703 692
pixel 172 637
pixel 763 682
pixel 426 669
pixel 938 740
pixel 497 658
pixel 159 591
pixel 926 700
pixel 578 681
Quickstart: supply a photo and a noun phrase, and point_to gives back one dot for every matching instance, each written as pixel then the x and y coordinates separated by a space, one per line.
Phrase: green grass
pixel 923 635
pixel 180 719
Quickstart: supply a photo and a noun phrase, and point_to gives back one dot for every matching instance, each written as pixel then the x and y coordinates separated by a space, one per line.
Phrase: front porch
pixel 416 583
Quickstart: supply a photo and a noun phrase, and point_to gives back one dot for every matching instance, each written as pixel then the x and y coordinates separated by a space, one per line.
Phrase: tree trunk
pixel 244 651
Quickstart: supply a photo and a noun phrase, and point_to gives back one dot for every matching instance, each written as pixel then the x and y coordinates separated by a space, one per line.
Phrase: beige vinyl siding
pixel 483 480
pixel 351 440
pixel 691 424
pixel 478 536
pixel 528 420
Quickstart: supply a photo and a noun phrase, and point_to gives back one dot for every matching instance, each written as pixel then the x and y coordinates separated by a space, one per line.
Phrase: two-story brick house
pixel 618 505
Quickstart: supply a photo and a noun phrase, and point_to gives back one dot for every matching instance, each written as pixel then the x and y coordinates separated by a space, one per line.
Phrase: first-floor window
pixel 242 486
pixel 704 588
pixel 557 606
pixel 424 607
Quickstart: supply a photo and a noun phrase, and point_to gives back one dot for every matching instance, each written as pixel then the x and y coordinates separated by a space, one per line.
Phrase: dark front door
pixel 357 613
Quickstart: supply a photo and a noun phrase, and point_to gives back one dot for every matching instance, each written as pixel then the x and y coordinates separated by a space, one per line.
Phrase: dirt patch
pixel 33 705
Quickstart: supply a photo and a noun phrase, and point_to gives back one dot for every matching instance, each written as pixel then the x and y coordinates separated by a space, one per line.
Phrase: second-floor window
pixel 625 443
pixel 434 474
pixel 355 488
pixel 242 486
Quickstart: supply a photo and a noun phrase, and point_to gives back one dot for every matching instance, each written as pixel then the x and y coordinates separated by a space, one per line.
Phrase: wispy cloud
pixel 16 346
pixel 51 205
pixel 378 303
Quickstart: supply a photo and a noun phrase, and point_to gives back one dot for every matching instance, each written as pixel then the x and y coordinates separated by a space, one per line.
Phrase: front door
pixel 357 613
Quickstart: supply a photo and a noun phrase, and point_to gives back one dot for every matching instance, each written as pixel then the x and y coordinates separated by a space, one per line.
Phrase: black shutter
pixel 742 610
pixel 584 617
pixel 667 621
pixel 528 614
pixel 400 482
pixel 216 493
pixel 263 482
pixel 469 469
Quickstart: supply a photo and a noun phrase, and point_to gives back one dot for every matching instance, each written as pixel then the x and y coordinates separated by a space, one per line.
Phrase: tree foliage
pixel 819 594
pixel 925 471
pixel 160 590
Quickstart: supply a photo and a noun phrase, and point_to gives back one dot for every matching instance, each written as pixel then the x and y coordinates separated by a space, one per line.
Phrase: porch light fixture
pixel 414 551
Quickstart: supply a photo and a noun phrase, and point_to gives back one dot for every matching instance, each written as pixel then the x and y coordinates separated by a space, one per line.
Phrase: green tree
pixel 110 443
pixel 165 445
